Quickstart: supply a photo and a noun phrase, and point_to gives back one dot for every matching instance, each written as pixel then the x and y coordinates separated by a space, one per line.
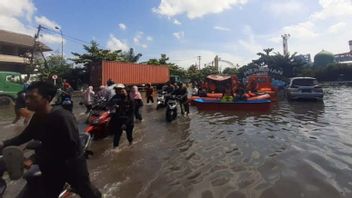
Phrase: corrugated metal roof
pixel 23 40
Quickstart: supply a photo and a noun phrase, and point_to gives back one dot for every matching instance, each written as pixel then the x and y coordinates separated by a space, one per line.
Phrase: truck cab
pixel 10 84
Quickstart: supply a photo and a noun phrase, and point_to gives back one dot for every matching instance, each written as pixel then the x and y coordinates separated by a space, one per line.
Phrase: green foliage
pixel 56 65
pixel 323 59
pixel 206 71
pixel 193 73
pixel 174 69
pixel 230 71
pixel 161 61
pixel 130 56
pixel 95 54
pixel 333 72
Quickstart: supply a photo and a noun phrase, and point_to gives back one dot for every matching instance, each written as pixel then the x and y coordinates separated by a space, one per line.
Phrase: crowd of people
pixel 56 127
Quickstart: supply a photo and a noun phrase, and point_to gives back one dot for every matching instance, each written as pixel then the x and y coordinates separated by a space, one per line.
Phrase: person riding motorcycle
pixel 181 93
pixel 60 157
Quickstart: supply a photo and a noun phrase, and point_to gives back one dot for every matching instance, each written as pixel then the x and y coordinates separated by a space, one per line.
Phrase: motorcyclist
pixel 103 93
pixel 60 157
pixel 64 99
pixel 181 93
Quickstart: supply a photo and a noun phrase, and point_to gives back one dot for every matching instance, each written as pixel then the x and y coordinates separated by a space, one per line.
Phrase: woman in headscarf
pixel 136 96
pixel 88 98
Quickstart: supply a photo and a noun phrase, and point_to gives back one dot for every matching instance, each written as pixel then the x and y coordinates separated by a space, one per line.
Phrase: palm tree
pixel 130 56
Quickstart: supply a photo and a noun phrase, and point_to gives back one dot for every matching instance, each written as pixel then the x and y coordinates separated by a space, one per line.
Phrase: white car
pixel 304 88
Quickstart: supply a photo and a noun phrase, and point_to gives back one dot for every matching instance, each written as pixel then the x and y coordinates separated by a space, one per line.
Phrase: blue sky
pixel 184 29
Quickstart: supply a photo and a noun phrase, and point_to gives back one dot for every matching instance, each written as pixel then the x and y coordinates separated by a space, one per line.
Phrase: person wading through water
pixel 122 117
pixel 136 97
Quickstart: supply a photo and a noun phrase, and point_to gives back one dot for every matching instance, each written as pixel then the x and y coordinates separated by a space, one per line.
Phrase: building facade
pixel 16 50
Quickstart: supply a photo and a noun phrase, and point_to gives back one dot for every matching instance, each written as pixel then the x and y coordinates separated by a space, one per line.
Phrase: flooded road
pixel 298 149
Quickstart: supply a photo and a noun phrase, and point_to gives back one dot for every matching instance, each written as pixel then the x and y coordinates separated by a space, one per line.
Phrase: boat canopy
pixel 218 77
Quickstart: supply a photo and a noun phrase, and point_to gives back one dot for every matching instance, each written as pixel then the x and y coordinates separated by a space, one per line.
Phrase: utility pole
pixel 285 37
pixel 62 41
pixel 36 45
pixel 199 57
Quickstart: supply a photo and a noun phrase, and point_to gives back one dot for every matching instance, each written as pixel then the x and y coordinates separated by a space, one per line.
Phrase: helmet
pixel 120 86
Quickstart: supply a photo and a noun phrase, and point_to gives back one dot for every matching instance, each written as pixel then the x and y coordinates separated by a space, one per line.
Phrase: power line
pixel 67 36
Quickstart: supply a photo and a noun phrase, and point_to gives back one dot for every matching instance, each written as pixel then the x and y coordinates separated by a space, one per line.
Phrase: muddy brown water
pixel 298 149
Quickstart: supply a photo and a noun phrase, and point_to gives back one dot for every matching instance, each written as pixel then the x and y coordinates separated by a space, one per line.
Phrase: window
pixel 304 82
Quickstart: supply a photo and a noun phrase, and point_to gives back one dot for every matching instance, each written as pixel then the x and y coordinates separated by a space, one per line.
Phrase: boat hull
pixel 217 105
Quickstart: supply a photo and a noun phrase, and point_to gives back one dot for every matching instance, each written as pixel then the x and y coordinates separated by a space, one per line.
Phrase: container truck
pixel 128 73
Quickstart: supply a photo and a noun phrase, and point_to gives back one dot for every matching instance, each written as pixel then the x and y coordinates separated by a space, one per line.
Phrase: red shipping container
pixel 128 73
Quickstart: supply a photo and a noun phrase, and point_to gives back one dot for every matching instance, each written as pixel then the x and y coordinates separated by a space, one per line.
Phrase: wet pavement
pixel 298 149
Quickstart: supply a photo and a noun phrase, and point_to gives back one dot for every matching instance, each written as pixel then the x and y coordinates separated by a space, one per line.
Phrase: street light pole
pixel 62 42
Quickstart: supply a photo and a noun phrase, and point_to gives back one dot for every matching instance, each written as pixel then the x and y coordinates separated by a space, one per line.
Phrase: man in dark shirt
pixel 123 117
pixel 60 156
pixel 182 93
pixel 149 93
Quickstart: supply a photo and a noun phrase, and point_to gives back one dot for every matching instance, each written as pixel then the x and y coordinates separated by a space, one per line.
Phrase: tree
pixel 208 70
pixel 56 65
pixel 193 73
pixel 230 71
pixel 130 56
pixel 174 69
pixel 94 54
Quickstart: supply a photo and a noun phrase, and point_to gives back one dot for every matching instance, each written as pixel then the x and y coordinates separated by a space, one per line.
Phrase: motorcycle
pixel 98 124
pixel 171 108
pixel 161 100
pixel 98 120
pixel 64 99
pixel 12 162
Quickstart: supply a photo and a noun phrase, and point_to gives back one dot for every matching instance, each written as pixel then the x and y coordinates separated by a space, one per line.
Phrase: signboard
pixel 263 70
pixel 54 77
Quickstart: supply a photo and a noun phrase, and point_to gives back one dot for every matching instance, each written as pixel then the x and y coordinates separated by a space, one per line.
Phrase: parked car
pixel 304 88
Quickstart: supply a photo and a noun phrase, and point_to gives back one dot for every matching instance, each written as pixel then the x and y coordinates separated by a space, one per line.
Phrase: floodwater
pixel 298 149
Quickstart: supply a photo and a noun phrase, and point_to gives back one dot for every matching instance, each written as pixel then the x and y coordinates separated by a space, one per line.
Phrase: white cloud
pixel 280 8
pixel 115 44
pixel 250 43
pixel 15 15
pixel 179 35
pixel 195 8
pixel 15 25
pixel 338 27
pixel 149 38
pixel 122 26
pixel 327 28
pixel 42 20
pixel 177 22
pixel 17 8
pixel 138 38
pixel 333 8
pixel 301 30
pixel 50 38
pixel 144 46
pixel 222 28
